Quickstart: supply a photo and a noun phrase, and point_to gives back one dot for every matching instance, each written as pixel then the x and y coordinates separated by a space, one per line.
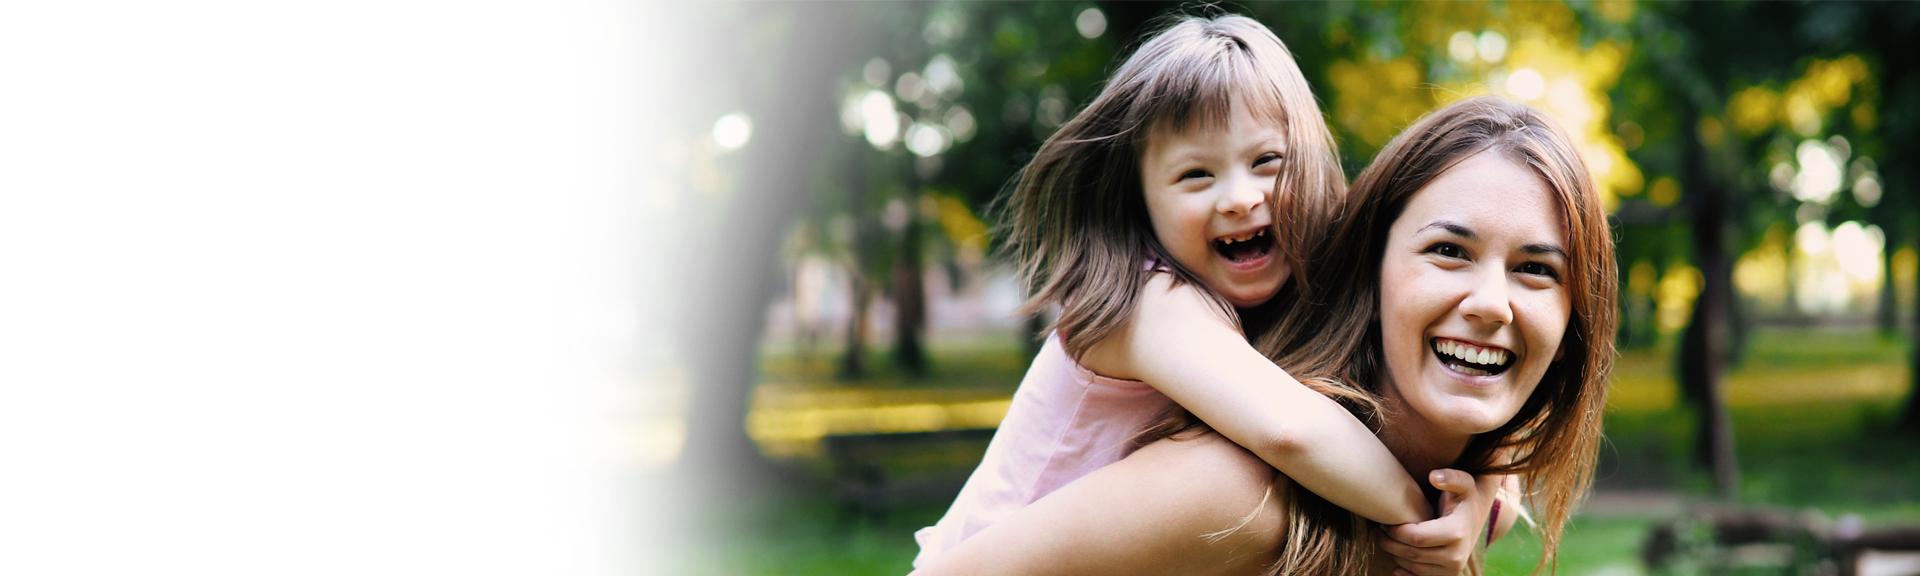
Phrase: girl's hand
pixel 1443 546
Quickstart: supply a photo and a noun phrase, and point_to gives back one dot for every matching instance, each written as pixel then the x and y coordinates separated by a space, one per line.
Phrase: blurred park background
pixel 842 342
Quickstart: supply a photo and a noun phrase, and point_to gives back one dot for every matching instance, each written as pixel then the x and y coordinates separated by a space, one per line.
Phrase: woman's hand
pixel 1443 546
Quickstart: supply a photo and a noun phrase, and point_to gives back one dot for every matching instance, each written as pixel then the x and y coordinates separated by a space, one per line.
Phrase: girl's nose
pixel 1245 194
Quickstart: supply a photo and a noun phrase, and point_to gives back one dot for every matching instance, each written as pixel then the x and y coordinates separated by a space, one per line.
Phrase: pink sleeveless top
pixel 1064 422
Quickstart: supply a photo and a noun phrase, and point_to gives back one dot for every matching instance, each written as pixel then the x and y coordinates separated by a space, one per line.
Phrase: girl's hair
pixel 1330 338
pixel 1076 220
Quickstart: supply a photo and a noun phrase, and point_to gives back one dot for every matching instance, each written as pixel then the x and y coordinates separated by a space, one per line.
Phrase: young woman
pixel 1464 304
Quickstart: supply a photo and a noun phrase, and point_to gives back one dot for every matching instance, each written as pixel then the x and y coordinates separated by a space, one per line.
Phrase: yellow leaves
pixel 1830 82
pixel 1754 110
pixel 1713 132
pixel 1625 178
pixel 958 221
pixel 1865 116
pixel 1827 85
pixel 1552 19
pixel 1640 278
pixel 1603 63
pixel 1803 106
pixel 1906 264
pixel 1665 191
pixel 1615 11
pixel 1674 296
pixel 1374 99
pixel 1761 273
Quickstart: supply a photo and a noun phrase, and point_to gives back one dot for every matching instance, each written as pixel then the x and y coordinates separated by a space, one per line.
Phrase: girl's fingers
pixel 1414 558
pixel 1441 532
pixel 1454 483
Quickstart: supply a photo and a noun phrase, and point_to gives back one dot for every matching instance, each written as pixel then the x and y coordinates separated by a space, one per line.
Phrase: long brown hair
pixel 1076 220
pixel 1329 338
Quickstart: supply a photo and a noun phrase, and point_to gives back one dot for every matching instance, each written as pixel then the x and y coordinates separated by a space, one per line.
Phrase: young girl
pixel 1148 220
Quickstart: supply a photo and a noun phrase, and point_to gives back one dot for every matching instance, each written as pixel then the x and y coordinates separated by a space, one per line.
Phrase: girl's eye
pixel 1538 269
pixel 1447 250
pixel 1194 173
pixel 1265 159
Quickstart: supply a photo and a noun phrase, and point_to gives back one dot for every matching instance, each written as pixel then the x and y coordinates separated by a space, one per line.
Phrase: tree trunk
pixel 910 294
pixel 1887 317
pixel 1910 418
pixel 1703 351
pixel 853 356
pixel 789 125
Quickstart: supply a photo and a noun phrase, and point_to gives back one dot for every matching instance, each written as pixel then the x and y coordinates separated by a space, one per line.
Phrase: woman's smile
pixel 1471 359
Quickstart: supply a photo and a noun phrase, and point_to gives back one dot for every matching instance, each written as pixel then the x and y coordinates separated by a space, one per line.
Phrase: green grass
pixel 1590 545
pixel 1804 440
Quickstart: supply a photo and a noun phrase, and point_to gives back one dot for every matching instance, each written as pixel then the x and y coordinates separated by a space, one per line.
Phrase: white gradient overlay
pixel 320 288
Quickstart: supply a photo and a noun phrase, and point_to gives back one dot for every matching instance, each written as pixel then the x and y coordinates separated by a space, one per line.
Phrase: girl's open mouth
pixel 1244 248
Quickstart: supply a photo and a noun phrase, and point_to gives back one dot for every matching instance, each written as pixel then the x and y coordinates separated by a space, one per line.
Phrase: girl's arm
pixel 1149 513
pixel 1179 343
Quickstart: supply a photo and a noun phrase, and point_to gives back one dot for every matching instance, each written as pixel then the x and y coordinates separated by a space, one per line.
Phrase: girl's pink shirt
pixel 1065 422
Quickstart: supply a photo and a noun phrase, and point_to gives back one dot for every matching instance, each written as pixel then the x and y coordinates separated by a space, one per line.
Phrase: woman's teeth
pixel 1472 360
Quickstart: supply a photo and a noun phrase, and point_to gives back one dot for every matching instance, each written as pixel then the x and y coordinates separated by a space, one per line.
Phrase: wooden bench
pixel 1726 539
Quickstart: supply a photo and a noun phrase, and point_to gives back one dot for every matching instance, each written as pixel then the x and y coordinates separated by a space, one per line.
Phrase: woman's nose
pixel 1488 301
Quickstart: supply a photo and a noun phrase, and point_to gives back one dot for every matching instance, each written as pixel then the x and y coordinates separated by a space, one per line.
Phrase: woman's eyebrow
pixel 1547 249
pixel 1452 227
pixel 1461 230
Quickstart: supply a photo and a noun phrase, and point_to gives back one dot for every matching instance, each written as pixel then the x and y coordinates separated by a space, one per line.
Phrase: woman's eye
pixel 1194 173
pixel 1447 250
pixel 1538 269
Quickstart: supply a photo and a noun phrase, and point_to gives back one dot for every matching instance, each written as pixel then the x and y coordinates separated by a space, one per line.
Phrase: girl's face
pixel 1473 299
pixel 1208 195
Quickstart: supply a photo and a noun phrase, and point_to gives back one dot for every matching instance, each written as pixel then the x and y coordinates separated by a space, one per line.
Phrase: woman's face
pixel 1473 298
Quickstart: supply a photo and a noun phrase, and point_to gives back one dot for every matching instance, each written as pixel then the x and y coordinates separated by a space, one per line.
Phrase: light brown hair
pixel 1076 219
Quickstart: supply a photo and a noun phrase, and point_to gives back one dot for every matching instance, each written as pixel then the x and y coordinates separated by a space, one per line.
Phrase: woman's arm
pixel 1150 513
pixel 1182 345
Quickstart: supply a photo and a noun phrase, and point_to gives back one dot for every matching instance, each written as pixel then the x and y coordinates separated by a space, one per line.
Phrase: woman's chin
pixel 1474 416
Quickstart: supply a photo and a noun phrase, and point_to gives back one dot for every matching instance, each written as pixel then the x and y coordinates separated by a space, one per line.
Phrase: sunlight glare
pixel 732 131
pixel 1819 175
pixel 881 123
pixel 1526 84
pixel 1460 46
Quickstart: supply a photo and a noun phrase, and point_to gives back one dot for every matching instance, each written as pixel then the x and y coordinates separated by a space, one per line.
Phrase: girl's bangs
pixel 1199 89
